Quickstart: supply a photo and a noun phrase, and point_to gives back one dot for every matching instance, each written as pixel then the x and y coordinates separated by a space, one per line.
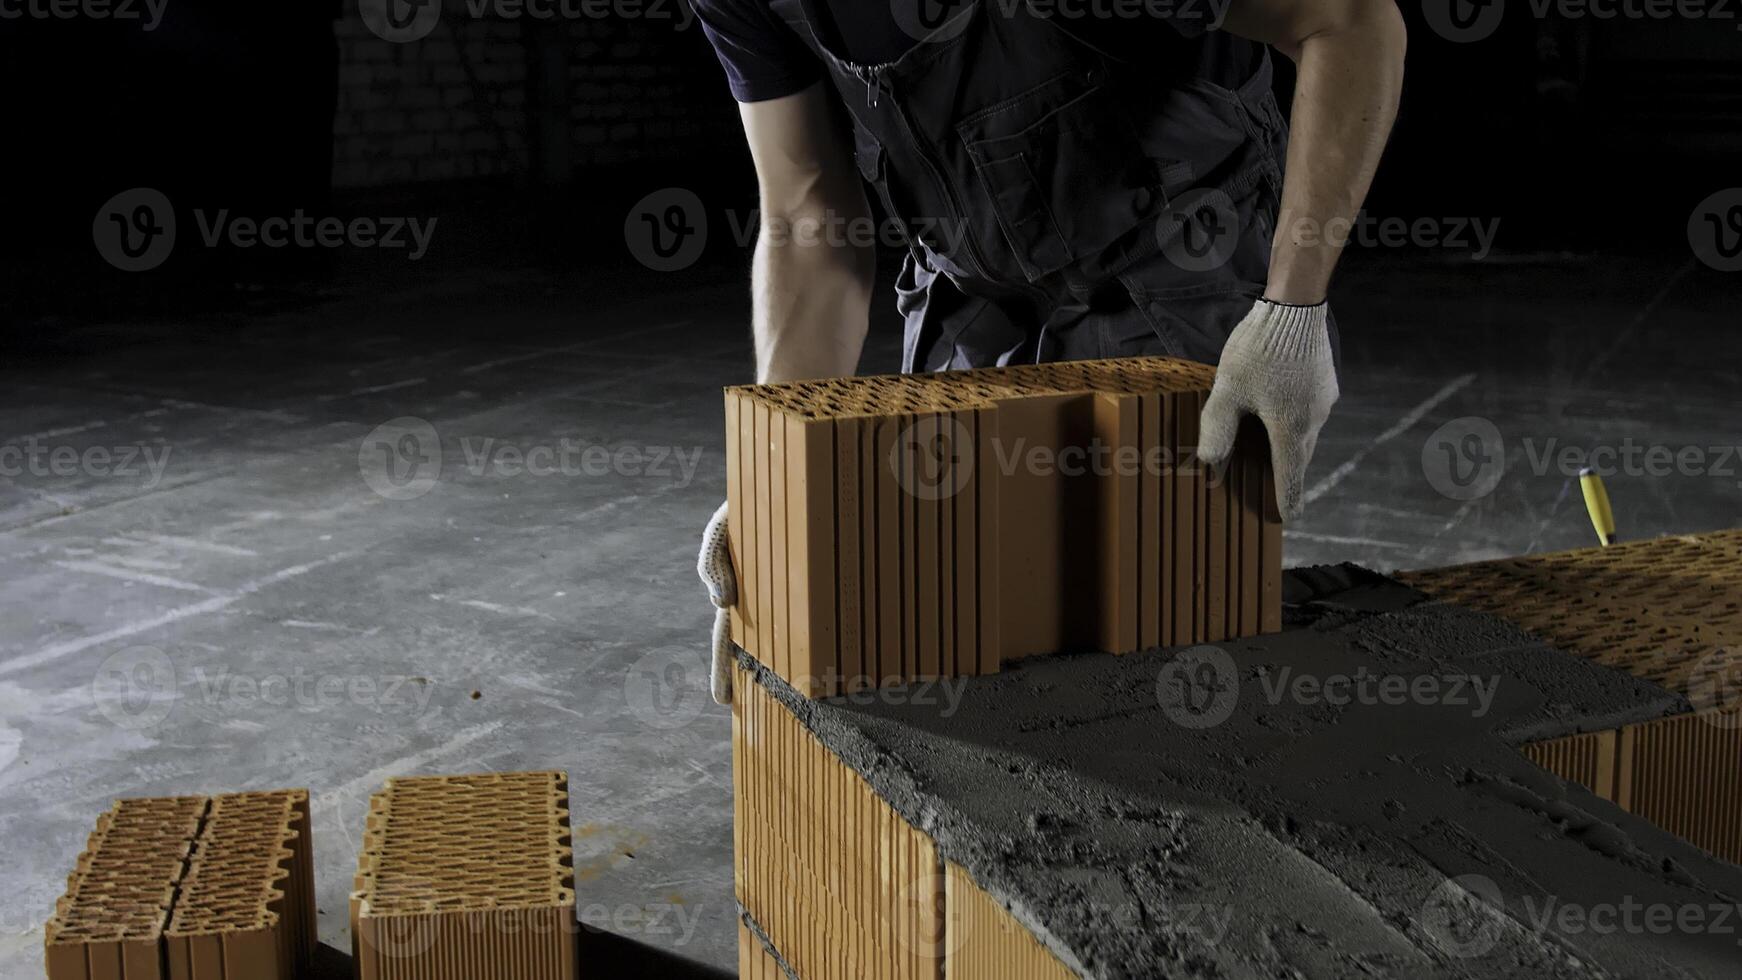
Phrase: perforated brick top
pixel 1667 610
pixel 960 390
pixel 240 866
pixel 453 843
pixel 124 884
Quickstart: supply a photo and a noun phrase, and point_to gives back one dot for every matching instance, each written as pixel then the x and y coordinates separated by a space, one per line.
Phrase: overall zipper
pixel 944 186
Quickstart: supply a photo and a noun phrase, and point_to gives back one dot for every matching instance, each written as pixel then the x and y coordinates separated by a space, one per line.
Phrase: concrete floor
pixel 256 615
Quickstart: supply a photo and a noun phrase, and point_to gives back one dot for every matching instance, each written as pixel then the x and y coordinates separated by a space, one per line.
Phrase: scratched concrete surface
pixel 243 580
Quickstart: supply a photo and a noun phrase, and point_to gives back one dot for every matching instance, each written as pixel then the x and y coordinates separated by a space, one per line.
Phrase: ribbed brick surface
pixel 1668 610
pixel 988 942
pixel 897 528
pixel 841 885
pixel 1683 774
pixel 109 924
pixel 467 878
pixel 755 962
pixel 190 888
pixel 246 904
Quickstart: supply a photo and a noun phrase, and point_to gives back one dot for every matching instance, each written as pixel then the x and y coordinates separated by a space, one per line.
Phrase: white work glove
pixel 1277 366
pixel 714 565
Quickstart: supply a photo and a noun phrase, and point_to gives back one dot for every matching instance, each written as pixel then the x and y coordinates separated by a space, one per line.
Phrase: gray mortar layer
pixel 1299 839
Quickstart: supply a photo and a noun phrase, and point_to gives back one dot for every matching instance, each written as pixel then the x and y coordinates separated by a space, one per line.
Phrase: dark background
pixel 557 620
pixel 532 139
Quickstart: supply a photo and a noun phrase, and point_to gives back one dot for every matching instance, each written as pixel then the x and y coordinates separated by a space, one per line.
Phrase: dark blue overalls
pixel 1060 203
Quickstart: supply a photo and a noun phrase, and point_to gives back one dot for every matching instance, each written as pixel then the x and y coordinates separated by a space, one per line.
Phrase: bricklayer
pixel 887 529
pixel 467 878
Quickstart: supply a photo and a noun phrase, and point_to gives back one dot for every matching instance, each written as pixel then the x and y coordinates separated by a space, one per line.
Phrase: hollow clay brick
pixel 837 882
pixel 246 905
pixel 872 546
pixel 1683 774
pixel 109 924
pixel 190 888
pixel 1664 610
pixel 467 878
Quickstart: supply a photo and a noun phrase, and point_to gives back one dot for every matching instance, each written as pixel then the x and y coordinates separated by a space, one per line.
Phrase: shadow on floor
pixel 602 954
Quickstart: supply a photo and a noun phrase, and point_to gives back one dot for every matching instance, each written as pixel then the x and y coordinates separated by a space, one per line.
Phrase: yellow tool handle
pixel 1597 503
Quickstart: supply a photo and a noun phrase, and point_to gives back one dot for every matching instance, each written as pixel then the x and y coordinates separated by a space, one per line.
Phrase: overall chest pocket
pixel 1063 171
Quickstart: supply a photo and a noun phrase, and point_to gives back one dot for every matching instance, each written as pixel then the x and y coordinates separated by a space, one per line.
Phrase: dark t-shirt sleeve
pixel 762 57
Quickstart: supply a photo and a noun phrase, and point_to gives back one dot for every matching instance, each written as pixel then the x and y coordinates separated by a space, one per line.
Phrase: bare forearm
pixel 811 295
pixel 1350 79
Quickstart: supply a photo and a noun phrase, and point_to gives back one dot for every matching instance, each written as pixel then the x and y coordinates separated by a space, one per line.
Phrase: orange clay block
pixel 836 881
pixel 888 529
pixel 989 943
pixel 190 888
pixel 1664 610
pixel 1683 774
pixel 245 908
pixel 109 924
pixel 467 878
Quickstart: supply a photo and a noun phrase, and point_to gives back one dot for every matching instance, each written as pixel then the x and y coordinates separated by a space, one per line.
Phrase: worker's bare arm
pixel 1350 55
pixel 813 270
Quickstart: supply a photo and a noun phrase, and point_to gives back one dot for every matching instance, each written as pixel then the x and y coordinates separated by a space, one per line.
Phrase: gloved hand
pixel 714 565
pixel 1277 366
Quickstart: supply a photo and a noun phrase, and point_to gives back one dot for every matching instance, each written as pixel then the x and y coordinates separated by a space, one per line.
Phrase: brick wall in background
pixel 491 96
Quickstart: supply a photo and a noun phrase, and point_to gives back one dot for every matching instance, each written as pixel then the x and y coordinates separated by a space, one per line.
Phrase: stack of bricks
pixel 867 910
pixel 467 878
pixel 892 529
pixel 832 882
pixel 1666 611
pixel 189 888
